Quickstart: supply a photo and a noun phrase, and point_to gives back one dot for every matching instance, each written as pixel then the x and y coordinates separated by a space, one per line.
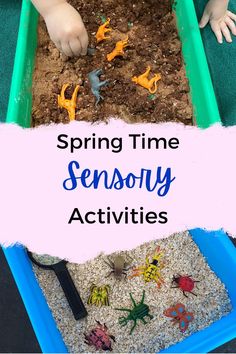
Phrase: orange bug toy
pixel 118 50
pixel 151 270
pixel 179 315
pixel 150 85
pixel 69 105
pixel 102 30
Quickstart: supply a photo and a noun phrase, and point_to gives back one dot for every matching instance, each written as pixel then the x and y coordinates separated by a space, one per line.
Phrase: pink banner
pixel 76 190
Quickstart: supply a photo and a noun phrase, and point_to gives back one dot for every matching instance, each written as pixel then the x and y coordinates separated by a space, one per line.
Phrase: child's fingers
pixel 216 29
pixel 231 15
pixel 226 32
pixel 205 19
pixel 75 46
pixel 84 43
pixel 230 23
pixel 58 45
pixel 66 49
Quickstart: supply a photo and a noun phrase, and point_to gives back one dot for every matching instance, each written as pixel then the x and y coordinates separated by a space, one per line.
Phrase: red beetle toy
pixel 185 283
pixel 99 337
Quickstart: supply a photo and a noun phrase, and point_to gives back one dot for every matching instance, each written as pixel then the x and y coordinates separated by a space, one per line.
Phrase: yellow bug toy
pixel 99 295
pixel 151 271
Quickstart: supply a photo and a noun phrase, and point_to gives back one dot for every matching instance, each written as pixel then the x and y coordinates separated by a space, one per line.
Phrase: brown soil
pixel 153 41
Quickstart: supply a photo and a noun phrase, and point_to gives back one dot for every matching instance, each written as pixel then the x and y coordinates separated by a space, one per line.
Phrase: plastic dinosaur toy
pixel 102 30
pixel 137 313
pixel 118 50
pixel 151 270
pixel 96 84
pixel 99 295
pixel 69 105
pixel 143 81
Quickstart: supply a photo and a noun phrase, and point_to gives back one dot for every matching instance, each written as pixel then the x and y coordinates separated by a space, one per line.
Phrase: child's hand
pixel 220 19
pixel 66 29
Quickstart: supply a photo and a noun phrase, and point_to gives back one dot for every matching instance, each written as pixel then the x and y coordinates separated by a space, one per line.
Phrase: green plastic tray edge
pixel 203 96
pixel 20 98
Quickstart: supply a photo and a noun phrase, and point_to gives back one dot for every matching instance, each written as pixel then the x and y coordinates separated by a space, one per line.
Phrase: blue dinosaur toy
pixel 96 84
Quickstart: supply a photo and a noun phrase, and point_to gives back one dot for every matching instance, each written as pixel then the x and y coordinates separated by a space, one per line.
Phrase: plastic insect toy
pixel 119 266
pixel 179 315
pixel 99 337
pixel 137 313
pixel 185 283
pixel 118 50
pixel 99 295
pixel 69 105
pixel 150 85
pixel 96 84
pixel 102 30
pixel 151 270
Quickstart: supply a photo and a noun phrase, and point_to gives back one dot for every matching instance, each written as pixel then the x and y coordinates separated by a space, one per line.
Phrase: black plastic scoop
pixel 67 284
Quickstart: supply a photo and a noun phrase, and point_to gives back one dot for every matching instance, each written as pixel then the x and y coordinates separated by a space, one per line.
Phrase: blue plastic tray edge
pixel 47 334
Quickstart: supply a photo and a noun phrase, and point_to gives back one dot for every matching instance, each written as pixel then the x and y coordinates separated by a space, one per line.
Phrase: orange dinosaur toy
pixel 102 30
pixel 143 81
pixel 118 50
pixel 69 105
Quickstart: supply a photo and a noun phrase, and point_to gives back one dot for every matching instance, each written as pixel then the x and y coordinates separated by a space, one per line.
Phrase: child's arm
pixel 65 26
pixel 221 20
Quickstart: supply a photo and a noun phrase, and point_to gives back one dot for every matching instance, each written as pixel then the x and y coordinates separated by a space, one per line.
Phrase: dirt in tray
pixel 153 40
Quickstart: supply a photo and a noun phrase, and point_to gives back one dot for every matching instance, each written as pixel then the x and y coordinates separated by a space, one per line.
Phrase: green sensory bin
pixel 202 93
